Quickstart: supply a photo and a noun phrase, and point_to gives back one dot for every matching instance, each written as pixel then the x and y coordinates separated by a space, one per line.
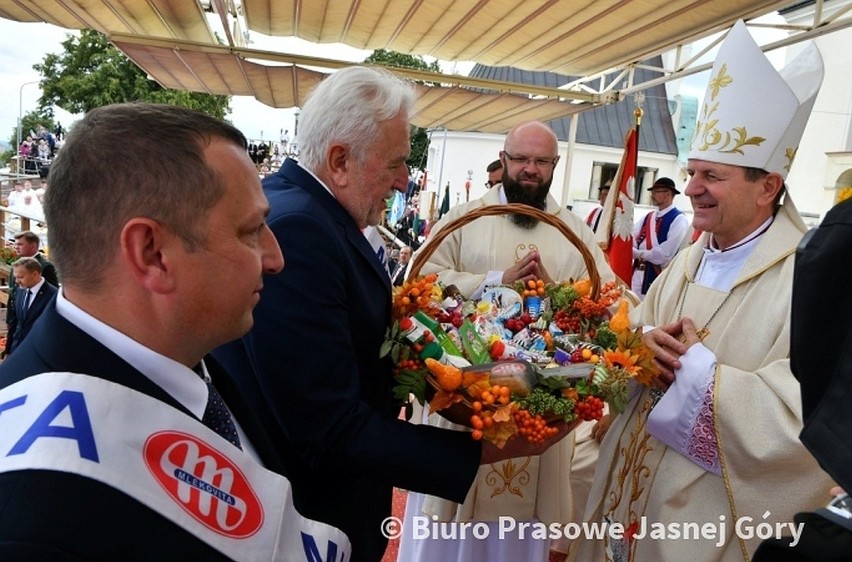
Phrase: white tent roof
pixel 173 42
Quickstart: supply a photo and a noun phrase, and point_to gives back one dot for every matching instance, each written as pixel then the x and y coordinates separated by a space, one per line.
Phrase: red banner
pixel 615 232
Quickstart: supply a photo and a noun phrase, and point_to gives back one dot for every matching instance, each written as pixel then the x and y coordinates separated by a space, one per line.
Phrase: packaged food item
pixel 475 349
pixel 519 376
pixel 500 350
pixel 532 307
pixel 444 340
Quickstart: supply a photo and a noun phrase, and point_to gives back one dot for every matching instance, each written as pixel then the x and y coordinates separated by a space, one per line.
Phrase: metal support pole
pixel 21 118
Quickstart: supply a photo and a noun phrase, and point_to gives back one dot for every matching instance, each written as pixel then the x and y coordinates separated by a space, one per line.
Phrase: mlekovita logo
pixel 205 483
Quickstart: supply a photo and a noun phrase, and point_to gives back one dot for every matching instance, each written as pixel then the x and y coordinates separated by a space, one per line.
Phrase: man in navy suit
pixel 27 245
pixel 34 292
pixel 312 359
pixel 121 438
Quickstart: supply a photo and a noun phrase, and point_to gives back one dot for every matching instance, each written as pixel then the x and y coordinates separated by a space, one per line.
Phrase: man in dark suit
pixel 399 267
pixel 821 360
pixel 312 359
pixel 34 292
pixel 27 245
pixel 122 439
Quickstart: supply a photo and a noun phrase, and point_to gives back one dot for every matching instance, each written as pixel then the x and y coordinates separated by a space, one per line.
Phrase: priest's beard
pixel 518 193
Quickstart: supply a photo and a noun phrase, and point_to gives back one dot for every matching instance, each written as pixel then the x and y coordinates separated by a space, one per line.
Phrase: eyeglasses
pixel 540 163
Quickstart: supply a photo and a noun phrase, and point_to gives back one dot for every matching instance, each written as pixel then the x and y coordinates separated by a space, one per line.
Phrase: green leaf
pixel 418 389
pixel 386 347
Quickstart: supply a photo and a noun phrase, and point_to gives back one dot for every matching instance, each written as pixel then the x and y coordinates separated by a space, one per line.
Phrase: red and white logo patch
pixel 205 483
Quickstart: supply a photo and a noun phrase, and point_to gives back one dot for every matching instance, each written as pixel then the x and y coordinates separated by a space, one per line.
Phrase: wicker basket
pixel 460 412
pixel 425 251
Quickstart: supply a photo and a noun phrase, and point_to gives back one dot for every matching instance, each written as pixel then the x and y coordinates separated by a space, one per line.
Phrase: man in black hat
pixel 657 237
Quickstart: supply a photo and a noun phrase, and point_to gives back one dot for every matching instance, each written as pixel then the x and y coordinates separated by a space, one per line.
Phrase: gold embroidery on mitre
pixel 790 153
pixel 722 80
pixel 502 479
pixel 707 132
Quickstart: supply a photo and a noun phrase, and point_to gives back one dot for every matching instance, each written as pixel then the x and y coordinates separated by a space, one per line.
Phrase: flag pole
pixel 615 236
pixel 638 112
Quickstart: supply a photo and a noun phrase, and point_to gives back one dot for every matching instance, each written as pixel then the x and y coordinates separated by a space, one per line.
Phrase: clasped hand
pixel 527 268
pixel 669 343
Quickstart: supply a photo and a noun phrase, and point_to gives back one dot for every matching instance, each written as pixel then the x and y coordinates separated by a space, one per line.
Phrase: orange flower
pixel 642 358
pixel 621 359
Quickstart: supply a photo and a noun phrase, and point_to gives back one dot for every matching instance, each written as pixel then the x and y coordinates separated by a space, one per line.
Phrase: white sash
pixel 164 459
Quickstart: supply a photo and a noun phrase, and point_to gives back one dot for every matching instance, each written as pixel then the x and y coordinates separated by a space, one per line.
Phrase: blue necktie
pixel 27 302
pixel 218 418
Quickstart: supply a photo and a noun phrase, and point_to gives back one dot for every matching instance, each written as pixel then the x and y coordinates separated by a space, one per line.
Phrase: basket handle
pixel 513 208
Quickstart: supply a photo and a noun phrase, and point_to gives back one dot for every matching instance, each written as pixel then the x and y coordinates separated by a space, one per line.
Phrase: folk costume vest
pixel 661 225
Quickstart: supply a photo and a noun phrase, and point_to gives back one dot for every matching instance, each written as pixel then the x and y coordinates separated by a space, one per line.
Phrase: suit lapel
pixel 245 415
pixel 21 302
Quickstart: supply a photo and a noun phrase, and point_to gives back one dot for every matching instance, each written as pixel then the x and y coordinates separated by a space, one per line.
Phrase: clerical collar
pixel 711 242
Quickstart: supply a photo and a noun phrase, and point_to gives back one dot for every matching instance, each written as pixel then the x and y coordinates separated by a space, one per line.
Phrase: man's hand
pixel 667 349
pixel 528 267
pixel 669 343
pixel 518 446
pixel 601 427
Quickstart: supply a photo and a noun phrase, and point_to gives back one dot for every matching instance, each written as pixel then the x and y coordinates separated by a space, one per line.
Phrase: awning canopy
pixel 577 37
pixel 223 70
pixel 600 41
pixel 176 19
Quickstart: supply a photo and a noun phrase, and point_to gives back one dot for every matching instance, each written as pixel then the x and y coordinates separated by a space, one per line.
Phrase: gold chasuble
pixel 669 507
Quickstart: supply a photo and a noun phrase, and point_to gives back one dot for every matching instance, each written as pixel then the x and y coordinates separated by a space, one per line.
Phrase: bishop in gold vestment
pixel 708 463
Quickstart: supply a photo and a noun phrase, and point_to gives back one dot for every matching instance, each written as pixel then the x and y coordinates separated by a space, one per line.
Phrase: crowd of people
pixel 217 348
pixel 268 156
pixel 37 149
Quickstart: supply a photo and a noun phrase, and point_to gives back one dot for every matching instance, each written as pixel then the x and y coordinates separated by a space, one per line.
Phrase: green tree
pixel 91 72
pixel 419 138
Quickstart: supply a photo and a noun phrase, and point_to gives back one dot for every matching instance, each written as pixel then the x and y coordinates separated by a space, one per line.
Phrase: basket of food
pixel 520 357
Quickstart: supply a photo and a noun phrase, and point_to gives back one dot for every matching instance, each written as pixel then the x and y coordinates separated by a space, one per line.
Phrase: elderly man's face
pixel 372 182
pixel 725 203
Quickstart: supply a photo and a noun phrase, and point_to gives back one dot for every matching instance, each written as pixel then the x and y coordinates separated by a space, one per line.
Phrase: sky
pixel 26 44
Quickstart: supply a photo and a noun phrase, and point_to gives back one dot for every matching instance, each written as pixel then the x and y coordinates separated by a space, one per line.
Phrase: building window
pixel 604 172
